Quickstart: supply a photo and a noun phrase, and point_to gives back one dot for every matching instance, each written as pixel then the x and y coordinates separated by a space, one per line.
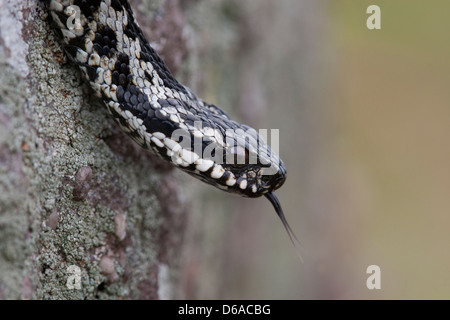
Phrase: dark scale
pixel 191 117
pixel 78 42
pixel 142 98
pixel 106 41
pixel 124 68
pixel 127 96
pixel 88 7
pixel 225 177
pixel 98 49
pixel 129 30
pixel 146 106
pixel 123 58
pixel 62 17
pixel 154 124
pixel 163 103
pixel 130 78
pixel 173 102
pixel 140 110
pixel 91 71
pixel 108 35
pixel 117 65
pixel 115 78
pixel 189 122
pixel 159 114
pixel 133 100
pixel 71 50
pixel 147 75
pixel 123 79
pixel 150 113
pixel 106 51
pixel 133 90
pixel 120 94
pixel 98 39
pixel 117 5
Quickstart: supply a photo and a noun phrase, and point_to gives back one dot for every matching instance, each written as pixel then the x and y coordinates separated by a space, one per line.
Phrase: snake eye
pixel 239 156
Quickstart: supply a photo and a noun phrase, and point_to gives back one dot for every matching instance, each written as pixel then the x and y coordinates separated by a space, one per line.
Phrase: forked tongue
pixel 276 204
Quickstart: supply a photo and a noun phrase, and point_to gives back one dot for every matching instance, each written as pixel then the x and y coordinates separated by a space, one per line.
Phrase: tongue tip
pixel 277 206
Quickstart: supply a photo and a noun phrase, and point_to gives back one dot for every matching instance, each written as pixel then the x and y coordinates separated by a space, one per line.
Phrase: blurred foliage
pixel 364 119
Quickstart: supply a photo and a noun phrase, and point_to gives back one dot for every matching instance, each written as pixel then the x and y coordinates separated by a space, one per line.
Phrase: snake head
pixel 260 178
pixel 265 171
pixel 252 169
pixel 237 161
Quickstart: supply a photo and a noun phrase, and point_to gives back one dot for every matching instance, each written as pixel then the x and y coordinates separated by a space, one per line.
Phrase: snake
pixel 103 38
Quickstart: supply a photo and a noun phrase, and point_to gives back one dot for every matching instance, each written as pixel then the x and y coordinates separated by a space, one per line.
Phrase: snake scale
pixel 158 112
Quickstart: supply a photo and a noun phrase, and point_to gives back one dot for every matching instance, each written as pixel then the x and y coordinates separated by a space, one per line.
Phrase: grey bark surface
pixel 78 199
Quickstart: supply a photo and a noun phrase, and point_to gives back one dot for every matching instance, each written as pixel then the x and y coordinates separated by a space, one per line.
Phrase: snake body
pixel 158 112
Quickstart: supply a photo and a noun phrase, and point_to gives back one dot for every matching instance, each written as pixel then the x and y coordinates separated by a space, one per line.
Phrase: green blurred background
pixel 364 119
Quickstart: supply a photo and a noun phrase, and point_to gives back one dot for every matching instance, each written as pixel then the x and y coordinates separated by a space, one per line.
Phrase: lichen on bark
pixel 75 191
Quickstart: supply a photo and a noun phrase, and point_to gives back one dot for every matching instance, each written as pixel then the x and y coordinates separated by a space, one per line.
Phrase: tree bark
pixel 84 212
